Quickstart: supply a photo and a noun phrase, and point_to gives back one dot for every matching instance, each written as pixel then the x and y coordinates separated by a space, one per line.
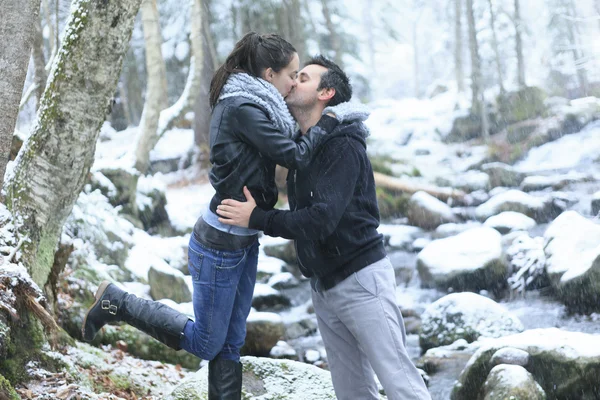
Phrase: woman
pixel 251 131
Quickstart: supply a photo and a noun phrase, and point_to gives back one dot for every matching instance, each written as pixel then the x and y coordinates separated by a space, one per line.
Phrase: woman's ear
pixel 267 74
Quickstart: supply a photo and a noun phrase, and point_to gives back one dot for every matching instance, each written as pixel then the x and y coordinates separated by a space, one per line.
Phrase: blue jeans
pixel 223 288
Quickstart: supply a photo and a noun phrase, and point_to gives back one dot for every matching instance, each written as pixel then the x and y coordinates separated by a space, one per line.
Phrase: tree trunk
pixel 50 25
pixel 313 26
pixel 192 86
pixel 495 46
pixel 416 69
pixel 335 43
pixel 458 46
pixel 156 88
pixel 519 46
pixel 54 163
pixel 477 107
pixel 39 62
pixel 578 54
pixel 295 22
pixel 396 184
pixel 16 39
pixel 597 7
pixel 202 111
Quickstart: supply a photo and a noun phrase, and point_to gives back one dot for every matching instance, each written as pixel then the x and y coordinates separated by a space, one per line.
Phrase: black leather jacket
pixel 245 146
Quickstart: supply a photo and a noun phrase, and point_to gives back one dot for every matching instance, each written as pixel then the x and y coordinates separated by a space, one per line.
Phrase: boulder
pixel 268 379
pixel 521 105
pixel 168 283
pixel 556 182
pixel 427 212
pixel 263 331
pixel 511 382
pixel 596 203
pixel 472 261
pixel 267 298
pixel 517 201
pixel 467 316
pixel 565 364
pixel 573 261
pixel 510 221
pixel 502 175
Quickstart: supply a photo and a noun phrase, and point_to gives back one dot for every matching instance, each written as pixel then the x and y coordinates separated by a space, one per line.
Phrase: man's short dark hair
pixel 333 78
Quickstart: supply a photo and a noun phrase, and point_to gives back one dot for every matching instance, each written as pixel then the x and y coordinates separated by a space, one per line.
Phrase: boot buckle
pixel 105 304
pixel 112 310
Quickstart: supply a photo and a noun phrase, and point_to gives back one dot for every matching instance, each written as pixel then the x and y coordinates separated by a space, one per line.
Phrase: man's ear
pixel 326 94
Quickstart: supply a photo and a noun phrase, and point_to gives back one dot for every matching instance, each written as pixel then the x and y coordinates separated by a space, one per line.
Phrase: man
pixel 333 219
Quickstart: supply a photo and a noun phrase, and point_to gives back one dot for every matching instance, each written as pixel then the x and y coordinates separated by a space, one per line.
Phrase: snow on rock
pixel 466 316
pixel 511 382
pixel 265 297
pixel 562 362
pixel 400 237
pixel 427 212
pixel 501 174
pixel 185 204
pixel 512 200
pixel 572 153
pixel 556 182
pixel 510 355
pixel 509 221
pixel 283 350
pixel 471 260
pixel 265 378
pixel 596 203
pixel 527 261
pixel 453 229
pixel 572 248
pixel 283 280
pixel 468 181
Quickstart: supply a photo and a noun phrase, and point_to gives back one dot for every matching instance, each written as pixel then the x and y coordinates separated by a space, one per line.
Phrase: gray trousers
pixel 363 332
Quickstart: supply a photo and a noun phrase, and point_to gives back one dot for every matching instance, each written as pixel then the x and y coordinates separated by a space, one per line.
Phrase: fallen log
pixel 399 185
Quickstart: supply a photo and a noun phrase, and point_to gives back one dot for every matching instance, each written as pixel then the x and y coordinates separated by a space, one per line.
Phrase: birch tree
pixel 156 87
pixel 495 47
pixel 157 125
pixel 458 46
pixel 54 163
pixel 16 38
pixel 477 107
pixel 519 45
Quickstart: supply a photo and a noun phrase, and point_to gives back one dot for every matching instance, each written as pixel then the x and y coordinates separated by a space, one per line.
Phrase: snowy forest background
pixel 485 143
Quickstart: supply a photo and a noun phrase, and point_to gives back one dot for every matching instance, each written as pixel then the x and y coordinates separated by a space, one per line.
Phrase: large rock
pixel 502 174
pixel 573 260
pixel 466 316
pixel 263 331
pixel 284 251
pixel 517 201
pixel 427 212
pixel 472 261
pixel 168 284
pixel 521 105
pixel 511 382
pixel 469 181
pixel 267 298
pixel 565 364
pixel 509 221
pixel 400 237
pixel 453 229
pixel 556 182
pixel 265 378
pixel 152 202
pixel 596 203
pixel 122 189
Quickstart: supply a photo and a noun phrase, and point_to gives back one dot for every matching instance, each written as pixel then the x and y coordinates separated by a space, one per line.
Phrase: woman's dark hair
pixel 252 54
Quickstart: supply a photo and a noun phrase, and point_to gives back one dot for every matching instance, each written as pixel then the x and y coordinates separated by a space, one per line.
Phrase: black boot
pixel 156 319
pixel 224 380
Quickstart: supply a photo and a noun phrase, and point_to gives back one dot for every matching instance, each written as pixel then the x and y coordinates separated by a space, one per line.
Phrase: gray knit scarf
pixel 265 95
